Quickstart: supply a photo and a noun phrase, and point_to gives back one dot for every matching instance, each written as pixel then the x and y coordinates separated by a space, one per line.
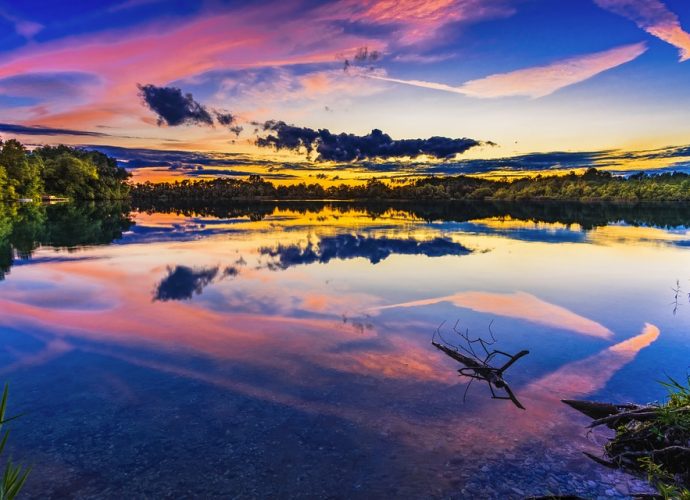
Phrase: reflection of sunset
pixel 318 338
pixel 625 234
pixel 233 235
pixel 512 223
pixel 519 305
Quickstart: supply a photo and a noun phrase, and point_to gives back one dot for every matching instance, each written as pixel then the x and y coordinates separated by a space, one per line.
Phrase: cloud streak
pixel 538 81
pixel 653 17
pixel 12 128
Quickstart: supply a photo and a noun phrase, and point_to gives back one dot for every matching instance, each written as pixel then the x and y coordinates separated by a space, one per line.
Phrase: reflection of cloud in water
pixel 54 348
pixel 518 305
pixel 545 413
pixel 591 374
pixel 522 231
pixel 625 234
pixel 349 246
pixel 305 357
pixel 183 282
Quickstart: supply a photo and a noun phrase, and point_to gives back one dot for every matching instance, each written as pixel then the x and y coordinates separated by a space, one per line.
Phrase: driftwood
pixel 477 367
pixel 598 410
pixel 644 434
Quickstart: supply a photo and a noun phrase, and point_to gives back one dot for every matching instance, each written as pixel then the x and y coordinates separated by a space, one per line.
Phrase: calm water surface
pixel 285 351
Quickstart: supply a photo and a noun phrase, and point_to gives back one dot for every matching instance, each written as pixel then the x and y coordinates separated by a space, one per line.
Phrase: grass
pixel 14 476
pixel 659 446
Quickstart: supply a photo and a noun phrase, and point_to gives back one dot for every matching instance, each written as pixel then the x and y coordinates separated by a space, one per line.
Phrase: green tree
pixel 70 176
pixel 23 173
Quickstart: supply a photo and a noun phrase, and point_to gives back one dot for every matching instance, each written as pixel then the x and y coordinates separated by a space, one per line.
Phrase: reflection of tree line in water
pixel 587 215
pixel 24 228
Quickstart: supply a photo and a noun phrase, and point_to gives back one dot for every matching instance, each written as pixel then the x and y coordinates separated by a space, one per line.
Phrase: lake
pixel 272 350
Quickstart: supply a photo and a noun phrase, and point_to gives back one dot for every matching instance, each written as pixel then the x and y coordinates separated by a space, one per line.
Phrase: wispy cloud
pixel 538 81
pixel 185 49
pixel 653 17
pixel 12 128
pixel 414 21
pixel 27 29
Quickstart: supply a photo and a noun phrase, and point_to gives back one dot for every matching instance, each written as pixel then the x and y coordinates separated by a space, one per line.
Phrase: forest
pixel 592 185
pixel 61 171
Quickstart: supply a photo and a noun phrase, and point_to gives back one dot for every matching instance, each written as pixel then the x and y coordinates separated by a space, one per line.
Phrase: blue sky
pixel 516 76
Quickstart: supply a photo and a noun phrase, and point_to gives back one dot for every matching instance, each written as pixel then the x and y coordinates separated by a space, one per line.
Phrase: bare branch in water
pixel 478 367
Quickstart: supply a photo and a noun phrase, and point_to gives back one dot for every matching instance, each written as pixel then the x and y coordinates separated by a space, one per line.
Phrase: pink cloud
pixel 538 81
pixel 653 17
pixel 417 20
pixel 157 53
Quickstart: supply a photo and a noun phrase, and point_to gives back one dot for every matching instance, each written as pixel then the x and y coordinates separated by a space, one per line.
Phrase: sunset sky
pixel 604 81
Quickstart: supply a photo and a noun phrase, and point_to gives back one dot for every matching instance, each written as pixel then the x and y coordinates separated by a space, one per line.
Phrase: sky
pixel 505 83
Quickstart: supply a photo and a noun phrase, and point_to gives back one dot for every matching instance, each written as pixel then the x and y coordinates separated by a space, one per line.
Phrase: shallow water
pixel 284 351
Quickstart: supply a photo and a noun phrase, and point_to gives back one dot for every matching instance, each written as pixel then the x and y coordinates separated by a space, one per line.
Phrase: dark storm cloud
pixel 12 128
pixel 349 246
pixel 350 147
pixel 183 282
pixel 173 107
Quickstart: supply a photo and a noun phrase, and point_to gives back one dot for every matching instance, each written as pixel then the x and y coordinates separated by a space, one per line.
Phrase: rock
pixel 623 489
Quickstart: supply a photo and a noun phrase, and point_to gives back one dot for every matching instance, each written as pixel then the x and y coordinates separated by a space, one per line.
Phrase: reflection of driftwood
pixel 477 368
pixel 651 433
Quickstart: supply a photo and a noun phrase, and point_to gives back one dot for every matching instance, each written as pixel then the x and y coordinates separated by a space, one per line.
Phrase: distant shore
pixel 592 186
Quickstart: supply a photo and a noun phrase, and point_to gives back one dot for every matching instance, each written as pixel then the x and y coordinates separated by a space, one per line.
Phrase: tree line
pixel 592 185
pixel 60 171
pixel 81 174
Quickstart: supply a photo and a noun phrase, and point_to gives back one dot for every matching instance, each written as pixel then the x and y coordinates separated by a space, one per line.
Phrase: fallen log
pixel 650 440
pixel 596 410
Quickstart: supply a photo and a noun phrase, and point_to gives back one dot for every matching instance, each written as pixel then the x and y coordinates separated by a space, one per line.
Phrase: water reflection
pixel 587 215
pixel 183 282
pixel 24 228
pixel 278 379
pixel 518 305
pixel 350 246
